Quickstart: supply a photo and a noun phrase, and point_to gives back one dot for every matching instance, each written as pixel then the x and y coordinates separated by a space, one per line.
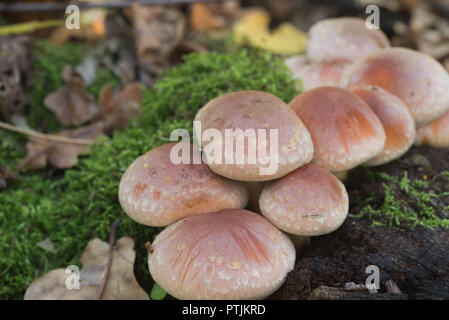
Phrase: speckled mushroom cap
pixel 316 74
pixel 231 254
pixel 156 192
pixel 310 201
pixel 435 134
pixel 416 78
pixel 343 39
pixel 344 130
pixel 396 119
pixel 258 111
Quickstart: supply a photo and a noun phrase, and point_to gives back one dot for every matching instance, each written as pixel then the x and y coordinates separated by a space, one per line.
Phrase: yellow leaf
pixel 253 29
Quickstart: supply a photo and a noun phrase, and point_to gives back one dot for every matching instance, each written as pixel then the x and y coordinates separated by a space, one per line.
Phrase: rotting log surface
pixel 416 259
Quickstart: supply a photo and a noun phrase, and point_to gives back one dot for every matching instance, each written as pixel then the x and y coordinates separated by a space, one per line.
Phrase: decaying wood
pixel 330 293
pixel 416 259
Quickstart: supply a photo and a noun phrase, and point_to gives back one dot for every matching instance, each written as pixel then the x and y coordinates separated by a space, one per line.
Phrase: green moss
pixel 82 204
pixel 12 147
pixel 49 60
pixel 407 201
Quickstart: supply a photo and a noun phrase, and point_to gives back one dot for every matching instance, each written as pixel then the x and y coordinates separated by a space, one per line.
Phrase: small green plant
pixel 406 201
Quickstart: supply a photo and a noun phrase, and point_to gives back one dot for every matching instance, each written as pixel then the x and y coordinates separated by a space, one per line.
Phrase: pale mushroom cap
pixel 231 254
pixel 396 119
pixel 416 78
pixel 435 134
pixel 309 201
pixel 156 192
pixel 258 113
pixel 343 39
pixel 344 130
pixel 316 74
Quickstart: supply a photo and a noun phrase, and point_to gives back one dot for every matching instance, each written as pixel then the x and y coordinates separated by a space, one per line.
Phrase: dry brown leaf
pixel 116 108
pixel 72 104
pixel 158 31
pixel 58 154
pixel 121 283
pixel 16 73
pixel 202 18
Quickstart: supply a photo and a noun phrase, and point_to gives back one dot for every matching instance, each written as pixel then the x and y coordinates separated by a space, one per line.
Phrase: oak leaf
pixel 121 283
pixel 59 154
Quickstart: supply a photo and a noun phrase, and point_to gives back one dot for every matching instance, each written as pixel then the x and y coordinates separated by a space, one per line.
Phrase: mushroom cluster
pixel 362 109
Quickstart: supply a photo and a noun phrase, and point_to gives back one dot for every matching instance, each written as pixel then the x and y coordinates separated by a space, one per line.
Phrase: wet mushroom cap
pixel 343 39
pixel 231 254
pixel 396 119
pixel 316 74
pixel 309 201
pixel 246 117
pixel 435 134
pixel 344 130
pixel 416 78
pixel 156 192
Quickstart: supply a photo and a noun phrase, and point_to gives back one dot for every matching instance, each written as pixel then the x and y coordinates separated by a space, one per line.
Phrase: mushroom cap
pixel 416 78
pixel 156 192
pixel 231 254
pixel 316 74
pixel 258 112
pixel 345 131
pixel 396 119
pixel 435 134
pixel 309 201
pixel 343 39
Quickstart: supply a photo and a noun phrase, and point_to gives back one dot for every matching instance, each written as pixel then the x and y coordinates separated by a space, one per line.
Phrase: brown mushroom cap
pixel 156 192
pixel 416 78
pixel 256 110
pixel 345 131
pixel 343 39
pixel 435 134
pixel 396 119
pixel 316 74
pixel 231 254
pixel 309 201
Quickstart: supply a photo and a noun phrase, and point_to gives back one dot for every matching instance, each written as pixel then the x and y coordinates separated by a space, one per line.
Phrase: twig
pixel 29 26
pixel 61 6
pixel 111 251
pixel 44 136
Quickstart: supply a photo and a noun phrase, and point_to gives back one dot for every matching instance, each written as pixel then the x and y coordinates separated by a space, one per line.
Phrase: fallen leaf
pixel 47 245
pixel 87 70
pixel 121 283
pixel 58 154
pixel 253 29
pixel 5 177
pixel 16 74
pixel 71 104
pixel 117 108
pixel 158 30
pixel 202 18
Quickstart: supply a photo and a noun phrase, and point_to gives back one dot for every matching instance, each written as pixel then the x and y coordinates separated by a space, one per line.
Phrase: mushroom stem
pixel 300 242
pixel 149 247
pixel 341 175
pixel 254 191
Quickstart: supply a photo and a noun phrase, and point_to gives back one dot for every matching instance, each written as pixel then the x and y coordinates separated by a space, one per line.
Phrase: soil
pixel 415 258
